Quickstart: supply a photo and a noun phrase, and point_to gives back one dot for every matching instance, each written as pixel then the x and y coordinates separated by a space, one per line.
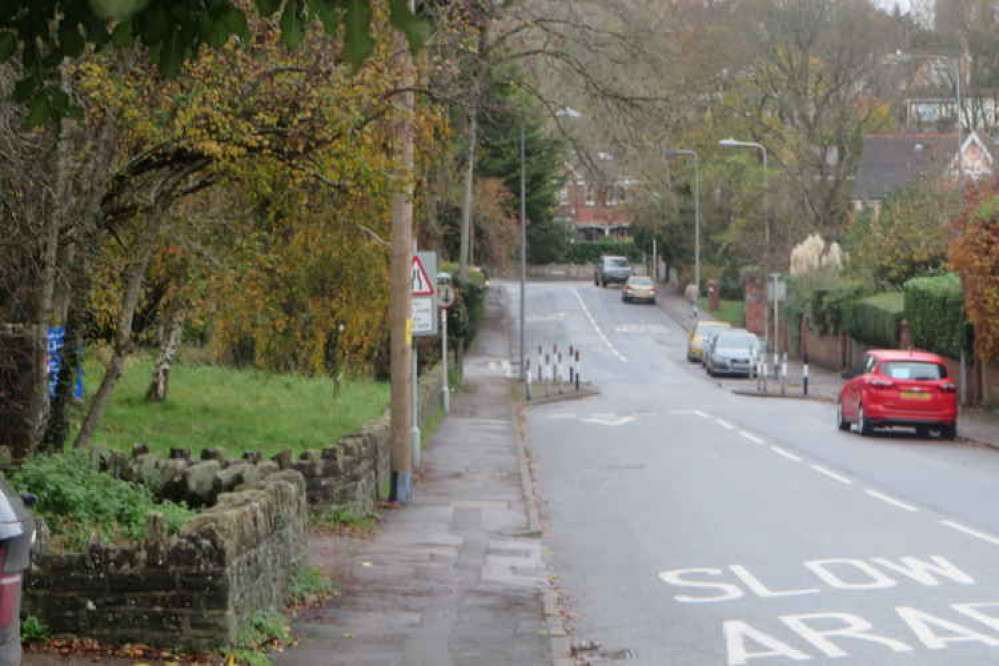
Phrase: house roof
pixel 893 161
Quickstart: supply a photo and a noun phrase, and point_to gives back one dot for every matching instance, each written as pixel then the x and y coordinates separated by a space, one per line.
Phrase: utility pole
pixel 523 251
pixel 400 316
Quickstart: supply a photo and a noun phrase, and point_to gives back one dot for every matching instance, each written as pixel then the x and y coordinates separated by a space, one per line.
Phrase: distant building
pixel 596 206
pixel 890 163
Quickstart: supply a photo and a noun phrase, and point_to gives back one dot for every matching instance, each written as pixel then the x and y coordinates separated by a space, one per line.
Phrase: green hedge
pixel 934 308
pixel 827 305
pixel 874 320
pixel 587 252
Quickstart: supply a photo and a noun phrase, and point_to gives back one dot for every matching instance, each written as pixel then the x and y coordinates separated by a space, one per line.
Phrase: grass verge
pixel 733 312
pixel 236 409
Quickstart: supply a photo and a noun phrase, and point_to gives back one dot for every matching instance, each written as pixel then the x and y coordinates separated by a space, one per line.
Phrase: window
pixel 869 364
pixel 591 195
pixel 915 370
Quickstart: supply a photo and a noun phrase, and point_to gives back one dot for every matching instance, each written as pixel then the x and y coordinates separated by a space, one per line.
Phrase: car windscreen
pixel 735 341
pixel 618 263
pixel 641 282
pixel 915 370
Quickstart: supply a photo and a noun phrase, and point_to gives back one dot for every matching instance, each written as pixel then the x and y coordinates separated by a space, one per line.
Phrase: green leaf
pixel 39 112
pixel 171 55
pixel 117 9
pixel 267 7
pixel 8 45
pixel 234 21
pixel 358 42
pixel 292 27
pixel 417 30
pixel 70 39
pixel 327 12
pixel 25 89
pixel 122 35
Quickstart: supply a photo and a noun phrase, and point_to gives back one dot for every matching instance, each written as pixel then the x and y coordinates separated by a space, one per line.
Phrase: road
pixel 691 526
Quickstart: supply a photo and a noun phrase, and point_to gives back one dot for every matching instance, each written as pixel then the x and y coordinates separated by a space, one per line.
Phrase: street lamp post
pixel 732 143
pixel 678 152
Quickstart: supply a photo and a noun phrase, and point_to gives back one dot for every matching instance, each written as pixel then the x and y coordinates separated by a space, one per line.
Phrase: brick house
pixel 596 206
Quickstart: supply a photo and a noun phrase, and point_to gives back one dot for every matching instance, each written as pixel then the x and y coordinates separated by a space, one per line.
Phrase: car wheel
pixel 841 422
pixel 924 431
pixel 652 302
pixel 948 432
pixel 864 426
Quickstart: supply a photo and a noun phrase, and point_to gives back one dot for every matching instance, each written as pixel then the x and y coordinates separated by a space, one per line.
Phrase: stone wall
pixel 192 590
pixel 356 471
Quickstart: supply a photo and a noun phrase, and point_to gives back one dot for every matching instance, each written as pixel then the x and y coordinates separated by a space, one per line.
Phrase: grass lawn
pixel 238 410
pixel 734 312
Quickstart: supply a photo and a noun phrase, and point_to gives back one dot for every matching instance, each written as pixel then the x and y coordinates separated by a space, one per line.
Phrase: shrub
pixel 874 320
pixel 828 305
pixel 934 308
pixel 587 252
pixel 75 501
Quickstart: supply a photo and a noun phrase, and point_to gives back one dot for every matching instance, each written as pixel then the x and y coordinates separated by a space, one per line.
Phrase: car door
pixel 852 389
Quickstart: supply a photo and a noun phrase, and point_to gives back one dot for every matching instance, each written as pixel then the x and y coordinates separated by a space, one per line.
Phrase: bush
pixel 587 252
pixel 828 305
pixel 75 501
pixel 874 320
pixel 934 308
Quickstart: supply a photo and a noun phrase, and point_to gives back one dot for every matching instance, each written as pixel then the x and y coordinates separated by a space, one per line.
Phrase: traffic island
pixel 546 392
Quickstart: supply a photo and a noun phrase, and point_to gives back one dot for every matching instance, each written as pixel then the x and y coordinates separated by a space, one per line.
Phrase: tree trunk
pixel 122 340
pixel 160 383
pixel 468 199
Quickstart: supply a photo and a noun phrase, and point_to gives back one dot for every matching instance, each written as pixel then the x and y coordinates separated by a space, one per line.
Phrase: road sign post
pixel 445 299
pixel 424 316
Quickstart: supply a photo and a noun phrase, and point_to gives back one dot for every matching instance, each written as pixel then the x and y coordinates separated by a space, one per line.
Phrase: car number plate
pixel 913 395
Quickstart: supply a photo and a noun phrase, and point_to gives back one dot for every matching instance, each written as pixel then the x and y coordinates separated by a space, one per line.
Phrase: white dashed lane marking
pixel 751 437
pixel 725 424
pixel 890 500
pixel 832 475
pixel 785 453
pixel 988 538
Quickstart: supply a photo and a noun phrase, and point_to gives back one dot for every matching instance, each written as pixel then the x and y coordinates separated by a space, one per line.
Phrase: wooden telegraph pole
pixel 400 317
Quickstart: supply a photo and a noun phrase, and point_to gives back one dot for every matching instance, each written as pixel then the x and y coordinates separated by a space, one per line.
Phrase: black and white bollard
pixel 577 370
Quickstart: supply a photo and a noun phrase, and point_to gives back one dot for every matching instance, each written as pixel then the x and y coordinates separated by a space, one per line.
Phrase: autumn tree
pixel 975 256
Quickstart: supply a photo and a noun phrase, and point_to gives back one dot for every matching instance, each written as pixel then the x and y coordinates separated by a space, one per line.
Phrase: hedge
pixel 587 252
pixel 934 308
pixel 874 320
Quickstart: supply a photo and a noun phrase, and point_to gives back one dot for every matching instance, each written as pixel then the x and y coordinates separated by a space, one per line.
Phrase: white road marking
pixel 832 475
pixel 784 452
pixel 612 421
pixel 890 500
pixel 703 415
pixel 724 424
pixel 751 437
pixel 975 533
pixel 596 327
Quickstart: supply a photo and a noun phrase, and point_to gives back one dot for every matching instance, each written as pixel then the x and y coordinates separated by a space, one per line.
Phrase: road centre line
pixel 832 475
pixel 890 500
pixel 725 424
pixel 596 327
pixel 784 452
pixel 751 437
pixel 703 415
pixel 975 533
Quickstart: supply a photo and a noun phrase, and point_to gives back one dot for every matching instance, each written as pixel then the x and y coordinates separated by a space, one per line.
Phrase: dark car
pixel 17 536
pixel 731 352
pixel 610 270
pixel 900 388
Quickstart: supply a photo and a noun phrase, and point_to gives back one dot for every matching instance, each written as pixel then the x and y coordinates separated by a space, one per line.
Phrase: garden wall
pixel 193 590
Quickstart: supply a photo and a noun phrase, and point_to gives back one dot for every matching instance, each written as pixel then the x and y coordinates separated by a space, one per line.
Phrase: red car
pixel 900 388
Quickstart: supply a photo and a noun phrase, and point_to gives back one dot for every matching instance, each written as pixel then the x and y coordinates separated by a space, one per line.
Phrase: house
pixel 596 204
pixel 892 162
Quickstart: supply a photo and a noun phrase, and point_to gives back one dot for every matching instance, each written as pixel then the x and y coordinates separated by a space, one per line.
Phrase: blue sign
pixel 56 341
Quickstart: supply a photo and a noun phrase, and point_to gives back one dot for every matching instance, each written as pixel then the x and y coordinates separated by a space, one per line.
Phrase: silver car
pixel 731 352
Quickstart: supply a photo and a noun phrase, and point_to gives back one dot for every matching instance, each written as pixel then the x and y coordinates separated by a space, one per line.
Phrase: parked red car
pixel 900 388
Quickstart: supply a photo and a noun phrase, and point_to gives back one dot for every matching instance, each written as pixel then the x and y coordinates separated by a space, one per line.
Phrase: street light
pixel 732 143
pixel 680 152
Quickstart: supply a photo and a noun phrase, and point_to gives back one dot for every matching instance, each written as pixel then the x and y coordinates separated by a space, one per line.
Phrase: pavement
pixel 457 577
pixel 974 423
pixel 690 525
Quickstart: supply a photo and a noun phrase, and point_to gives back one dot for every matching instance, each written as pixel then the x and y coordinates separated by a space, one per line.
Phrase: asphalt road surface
pixel 691 526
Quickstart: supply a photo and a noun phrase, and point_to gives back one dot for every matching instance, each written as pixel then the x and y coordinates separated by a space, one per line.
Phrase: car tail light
pixel 949 387
pixel 880 383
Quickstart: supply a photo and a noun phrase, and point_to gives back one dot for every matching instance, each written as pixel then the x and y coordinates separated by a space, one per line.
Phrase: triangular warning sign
pixel 419 281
